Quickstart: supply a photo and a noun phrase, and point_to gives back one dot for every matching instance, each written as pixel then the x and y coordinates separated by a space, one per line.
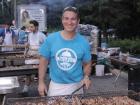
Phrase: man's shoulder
pixel 82 38
pixel 2 32
pixel 1 29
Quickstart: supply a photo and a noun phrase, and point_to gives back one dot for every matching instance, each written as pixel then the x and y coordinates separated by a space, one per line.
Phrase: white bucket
pixel 99 70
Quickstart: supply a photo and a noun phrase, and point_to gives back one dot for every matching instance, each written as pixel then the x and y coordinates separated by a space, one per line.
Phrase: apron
pixel 7 41
pixel 57 89
pixel 34 45
pixel 33 50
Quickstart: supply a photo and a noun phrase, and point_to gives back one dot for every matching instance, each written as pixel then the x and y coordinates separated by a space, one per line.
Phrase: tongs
pixel 78 89
pixel 80 98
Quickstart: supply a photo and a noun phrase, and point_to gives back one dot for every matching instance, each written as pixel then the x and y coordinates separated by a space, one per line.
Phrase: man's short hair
pixel 73 9
pixel 8 23
pixel 34 22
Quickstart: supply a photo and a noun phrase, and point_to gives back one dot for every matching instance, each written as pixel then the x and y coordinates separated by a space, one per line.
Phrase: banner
pixel 37 12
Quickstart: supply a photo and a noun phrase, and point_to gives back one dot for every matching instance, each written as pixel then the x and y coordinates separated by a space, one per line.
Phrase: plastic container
pixel 99 70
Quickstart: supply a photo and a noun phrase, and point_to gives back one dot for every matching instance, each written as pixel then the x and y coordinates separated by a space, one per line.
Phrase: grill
pixel 18 70
pixel 13 64
pixel 14 58
pixel 106 98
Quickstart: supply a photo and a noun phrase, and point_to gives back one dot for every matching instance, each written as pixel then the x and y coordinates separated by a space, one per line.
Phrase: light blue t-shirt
pixel 66 57
pixel 22 37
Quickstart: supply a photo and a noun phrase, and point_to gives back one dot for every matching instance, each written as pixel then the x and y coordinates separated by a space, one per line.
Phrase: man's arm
pixel 87 71
pixel 42 71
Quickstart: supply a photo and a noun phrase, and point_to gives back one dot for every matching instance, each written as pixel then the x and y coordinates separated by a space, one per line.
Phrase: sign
pixel 37 12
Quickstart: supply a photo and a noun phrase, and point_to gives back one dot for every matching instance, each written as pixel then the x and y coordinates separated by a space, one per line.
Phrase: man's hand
pixel 42 89
pixel 86 81
pixel 27 45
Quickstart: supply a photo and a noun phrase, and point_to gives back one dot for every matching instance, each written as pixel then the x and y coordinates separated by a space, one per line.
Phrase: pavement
pixel 107 83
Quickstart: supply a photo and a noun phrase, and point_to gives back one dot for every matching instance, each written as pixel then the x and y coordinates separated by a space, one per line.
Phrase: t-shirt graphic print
pixel 66 58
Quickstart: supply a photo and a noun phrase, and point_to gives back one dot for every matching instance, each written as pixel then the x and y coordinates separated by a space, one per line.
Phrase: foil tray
pixel 8 84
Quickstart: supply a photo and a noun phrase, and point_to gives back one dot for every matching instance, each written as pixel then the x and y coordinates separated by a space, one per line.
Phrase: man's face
pixel 32 28
pixel 70 21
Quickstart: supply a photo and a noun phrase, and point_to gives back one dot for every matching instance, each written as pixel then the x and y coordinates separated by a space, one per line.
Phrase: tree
pixel 119 14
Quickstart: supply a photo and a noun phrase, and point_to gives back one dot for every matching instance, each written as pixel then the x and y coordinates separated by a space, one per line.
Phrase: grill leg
pixel 121 67
pixel 4 98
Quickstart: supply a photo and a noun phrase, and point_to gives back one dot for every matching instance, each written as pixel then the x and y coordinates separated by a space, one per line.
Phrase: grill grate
pixel 82 99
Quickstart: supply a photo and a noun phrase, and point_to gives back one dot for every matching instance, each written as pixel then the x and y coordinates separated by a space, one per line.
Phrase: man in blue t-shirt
pixel 69 58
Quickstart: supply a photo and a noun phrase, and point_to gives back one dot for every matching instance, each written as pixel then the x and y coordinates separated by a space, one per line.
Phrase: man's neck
pixel 68 35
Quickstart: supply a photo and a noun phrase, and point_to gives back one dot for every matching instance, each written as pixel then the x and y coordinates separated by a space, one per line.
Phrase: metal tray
pixel 8 84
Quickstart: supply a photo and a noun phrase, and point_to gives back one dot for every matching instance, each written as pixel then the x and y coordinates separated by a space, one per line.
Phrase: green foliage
pixel 133 46
pixel 52 29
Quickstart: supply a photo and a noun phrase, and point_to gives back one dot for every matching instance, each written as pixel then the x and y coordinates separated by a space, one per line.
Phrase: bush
pixel 51 29
pixel 127 45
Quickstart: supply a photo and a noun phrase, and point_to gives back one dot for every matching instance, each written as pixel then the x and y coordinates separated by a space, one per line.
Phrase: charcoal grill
pixel 14 58
pixel 18 70
pixel 81 99
pixel 13 64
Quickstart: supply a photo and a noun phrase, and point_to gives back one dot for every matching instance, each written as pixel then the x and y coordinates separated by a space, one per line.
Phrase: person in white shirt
pixel 7 37
pixel 35 39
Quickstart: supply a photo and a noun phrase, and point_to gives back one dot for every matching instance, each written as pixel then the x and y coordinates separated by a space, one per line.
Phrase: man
pixel 68 56
pixel 7 37
pixel 22 36
pixel 35 39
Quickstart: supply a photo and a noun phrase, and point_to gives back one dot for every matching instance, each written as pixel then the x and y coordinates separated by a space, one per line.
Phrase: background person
pixel 69 58
pixel 22 35
pixel 35 39
pixel 7 37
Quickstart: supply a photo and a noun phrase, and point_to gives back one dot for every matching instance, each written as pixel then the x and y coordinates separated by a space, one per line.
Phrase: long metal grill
pixel 104 98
